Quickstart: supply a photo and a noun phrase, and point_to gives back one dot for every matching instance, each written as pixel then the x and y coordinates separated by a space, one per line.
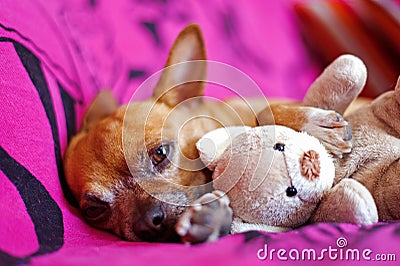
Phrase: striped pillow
pixel 367 28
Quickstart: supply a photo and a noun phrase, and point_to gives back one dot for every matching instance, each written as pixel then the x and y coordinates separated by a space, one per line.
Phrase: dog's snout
pixel 150 227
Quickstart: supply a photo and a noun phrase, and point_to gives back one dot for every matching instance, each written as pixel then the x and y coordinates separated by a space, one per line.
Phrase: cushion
pixel 369 29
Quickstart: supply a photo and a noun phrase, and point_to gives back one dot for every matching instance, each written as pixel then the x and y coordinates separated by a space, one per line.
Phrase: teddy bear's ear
pixel 397 90
pixel 339 84
pixel 213 144
pixel 387 108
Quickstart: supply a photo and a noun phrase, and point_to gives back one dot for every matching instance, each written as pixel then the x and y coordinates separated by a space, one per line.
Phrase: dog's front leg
pixel 209 218
pixel 326 125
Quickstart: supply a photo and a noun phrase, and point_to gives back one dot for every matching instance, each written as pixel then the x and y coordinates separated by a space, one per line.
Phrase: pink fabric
pixel 56 55
pixel 242 249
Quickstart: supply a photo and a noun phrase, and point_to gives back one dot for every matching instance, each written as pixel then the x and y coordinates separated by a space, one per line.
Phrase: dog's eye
pixel 291 191
pixel 94 209
pixel 279 147
pixel 159 156
pixel 94 212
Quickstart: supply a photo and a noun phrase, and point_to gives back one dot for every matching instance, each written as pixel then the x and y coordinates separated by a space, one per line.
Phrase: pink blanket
pixel 56 55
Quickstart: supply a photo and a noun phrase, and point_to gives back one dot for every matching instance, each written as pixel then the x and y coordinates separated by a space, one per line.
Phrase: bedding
pixel 55 56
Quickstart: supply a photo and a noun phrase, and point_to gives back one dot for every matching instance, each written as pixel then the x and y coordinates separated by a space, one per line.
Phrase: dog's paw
pixel 207 219
pixel 331 129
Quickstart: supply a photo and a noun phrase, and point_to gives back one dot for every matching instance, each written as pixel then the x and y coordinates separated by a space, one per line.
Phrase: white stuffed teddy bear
pixel 275 178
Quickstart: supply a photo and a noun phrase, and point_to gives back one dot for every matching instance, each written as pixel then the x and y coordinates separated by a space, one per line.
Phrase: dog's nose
pixel 156 217
pixel 150 226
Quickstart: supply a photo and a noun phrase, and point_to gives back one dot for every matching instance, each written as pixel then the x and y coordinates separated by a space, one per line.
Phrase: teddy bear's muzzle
pixel 310 165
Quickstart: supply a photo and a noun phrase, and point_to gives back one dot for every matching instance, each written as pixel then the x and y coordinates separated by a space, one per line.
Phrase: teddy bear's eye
pixel 279 147
pixel 291 191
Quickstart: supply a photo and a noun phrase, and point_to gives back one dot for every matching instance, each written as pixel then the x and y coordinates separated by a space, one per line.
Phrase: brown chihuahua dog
pixel 133 169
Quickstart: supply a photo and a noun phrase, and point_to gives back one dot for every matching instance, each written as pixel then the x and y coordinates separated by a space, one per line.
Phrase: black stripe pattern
pixel 46 215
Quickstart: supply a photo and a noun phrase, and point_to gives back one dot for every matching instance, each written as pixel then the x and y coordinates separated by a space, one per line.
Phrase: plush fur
pixel 255 174
pixel 259 168
pixel 374 160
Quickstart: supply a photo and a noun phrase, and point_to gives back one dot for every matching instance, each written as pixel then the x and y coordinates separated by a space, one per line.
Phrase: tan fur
pixel 107 163
pixel 374 161
pixel 375 157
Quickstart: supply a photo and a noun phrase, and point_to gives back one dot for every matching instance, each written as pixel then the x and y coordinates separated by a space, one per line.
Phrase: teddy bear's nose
pixel 310 165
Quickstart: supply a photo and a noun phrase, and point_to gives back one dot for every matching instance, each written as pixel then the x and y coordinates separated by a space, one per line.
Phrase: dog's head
pixel 133 168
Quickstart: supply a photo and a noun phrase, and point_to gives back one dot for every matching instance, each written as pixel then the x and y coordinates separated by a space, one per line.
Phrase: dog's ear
pixel 183 73
pixel 102 106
